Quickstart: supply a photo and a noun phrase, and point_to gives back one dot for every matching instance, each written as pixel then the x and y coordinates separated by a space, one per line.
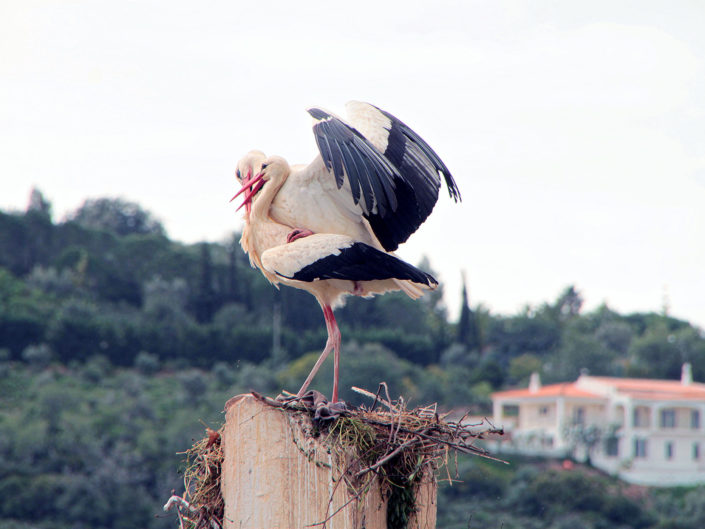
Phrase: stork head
pixel 273 170
pixel 248 166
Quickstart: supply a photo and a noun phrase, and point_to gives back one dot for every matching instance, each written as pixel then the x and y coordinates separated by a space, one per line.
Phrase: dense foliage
pixel 92 445
pixel 115 341
pixel 535 494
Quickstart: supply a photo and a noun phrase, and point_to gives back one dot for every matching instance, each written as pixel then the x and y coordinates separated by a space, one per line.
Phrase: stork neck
pixel 264 199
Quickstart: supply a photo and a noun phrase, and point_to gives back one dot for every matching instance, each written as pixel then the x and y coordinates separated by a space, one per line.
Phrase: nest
pixel 202 505
pixel 398 447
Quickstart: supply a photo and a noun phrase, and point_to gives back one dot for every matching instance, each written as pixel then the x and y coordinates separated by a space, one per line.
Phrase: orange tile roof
pixel 654 389
pixel 565 389
pixel 636 388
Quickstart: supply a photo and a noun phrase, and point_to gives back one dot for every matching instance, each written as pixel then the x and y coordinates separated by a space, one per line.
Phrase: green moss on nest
pixel 351 432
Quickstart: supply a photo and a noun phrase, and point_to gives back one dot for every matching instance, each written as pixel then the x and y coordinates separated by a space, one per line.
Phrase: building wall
pixel 589 413
pixel 669 442
pixel 655 467
pixel 667 433
pixel 537 415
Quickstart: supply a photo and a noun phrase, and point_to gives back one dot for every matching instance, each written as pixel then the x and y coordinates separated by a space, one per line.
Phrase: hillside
pixel 115 342
pixel 97 446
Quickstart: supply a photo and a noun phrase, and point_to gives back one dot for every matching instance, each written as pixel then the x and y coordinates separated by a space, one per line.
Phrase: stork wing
pixel 347 152
pixel 330 256
pixel 393 174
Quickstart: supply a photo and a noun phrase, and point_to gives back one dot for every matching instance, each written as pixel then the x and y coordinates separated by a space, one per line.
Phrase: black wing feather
pixel 428 152
pixel 357 181
pixel 361 262
pixel 377 195
pixel 326 153
pixel 400 186
pixel 343 138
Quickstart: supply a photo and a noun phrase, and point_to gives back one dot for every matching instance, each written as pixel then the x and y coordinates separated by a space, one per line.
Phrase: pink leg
pixel 336 358
pixel 333 343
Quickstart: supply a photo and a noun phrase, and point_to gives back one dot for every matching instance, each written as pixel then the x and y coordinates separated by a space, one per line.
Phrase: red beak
pixel 244 183
pixel 251 186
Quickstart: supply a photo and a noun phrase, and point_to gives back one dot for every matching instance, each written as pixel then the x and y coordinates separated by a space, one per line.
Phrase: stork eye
pixel 237 173
pixel 264 166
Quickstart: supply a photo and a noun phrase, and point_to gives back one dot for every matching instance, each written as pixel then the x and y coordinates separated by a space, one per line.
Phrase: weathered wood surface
pixel 276 477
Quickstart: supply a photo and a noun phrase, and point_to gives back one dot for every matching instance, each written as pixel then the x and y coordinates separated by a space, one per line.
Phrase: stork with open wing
pixel 329 227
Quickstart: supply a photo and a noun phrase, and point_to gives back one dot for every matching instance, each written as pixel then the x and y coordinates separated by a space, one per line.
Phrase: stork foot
pixel 298 234
pixel 316 402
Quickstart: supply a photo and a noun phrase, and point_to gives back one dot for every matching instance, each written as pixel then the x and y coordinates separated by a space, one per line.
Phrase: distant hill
pixel 108 281
pixel 115 341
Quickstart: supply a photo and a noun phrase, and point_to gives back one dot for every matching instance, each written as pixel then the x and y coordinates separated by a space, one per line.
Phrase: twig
pixel 386 458
pixel 373 396
pixel 180 503
pixel 324 522
pixel 374 404
pixel 386 390
pixel 267 400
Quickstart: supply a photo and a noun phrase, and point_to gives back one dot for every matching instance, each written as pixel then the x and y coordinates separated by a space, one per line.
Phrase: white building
pixel 650 432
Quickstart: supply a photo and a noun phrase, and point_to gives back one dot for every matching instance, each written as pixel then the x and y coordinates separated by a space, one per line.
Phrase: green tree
pixel 615 336
pixel 24 313
pixel 362 365
pixel 38 204
pixel 661 351
pixel 568 304
pixel 234 292
pixel 74 332
pixel 521 367
pixel 655 355
pixel 204 304
pixel 532 331
pixel 116 215
pixel 468 333
pixel 579 349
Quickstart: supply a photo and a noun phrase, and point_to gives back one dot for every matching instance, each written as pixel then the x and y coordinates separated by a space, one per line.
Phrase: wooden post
pixel 276 476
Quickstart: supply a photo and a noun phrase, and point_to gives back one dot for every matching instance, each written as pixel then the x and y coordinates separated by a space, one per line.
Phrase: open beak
pixel 250 186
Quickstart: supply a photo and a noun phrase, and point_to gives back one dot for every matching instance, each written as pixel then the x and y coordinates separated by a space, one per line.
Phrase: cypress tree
pixel 468 334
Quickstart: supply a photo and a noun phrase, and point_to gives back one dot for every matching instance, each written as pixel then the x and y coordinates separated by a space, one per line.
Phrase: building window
pixel 640 417
pixel 695 419
pixel 580 415
pixel 640 447
pixel 510 410
pixel 696 451
pixel 612 446
pixel 668 418
pixel 668 452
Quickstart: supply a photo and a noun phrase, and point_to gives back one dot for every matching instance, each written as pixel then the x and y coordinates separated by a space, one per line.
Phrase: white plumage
pixel 371 123
pixel 286 260
pixel 330 227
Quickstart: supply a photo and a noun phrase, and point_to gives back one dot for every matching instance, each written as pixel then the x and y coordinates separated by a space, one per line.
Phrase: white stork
pixel 330 227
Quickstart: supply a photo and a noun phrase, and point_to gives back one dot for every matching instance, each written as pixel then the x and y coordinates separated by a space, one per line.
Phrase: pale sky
pixel 575 130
